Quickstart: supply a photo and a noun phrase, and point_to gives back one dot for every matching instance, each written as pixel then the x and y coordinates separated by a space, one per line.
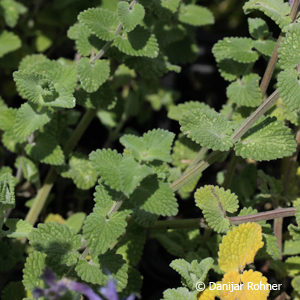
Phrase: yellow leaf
pixel 247 286
pixel 239 246
pixel 51 218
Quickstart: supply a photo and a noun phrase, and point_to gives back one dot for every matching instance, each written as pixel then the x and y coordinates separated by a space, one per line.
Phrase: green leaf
pixel 245 91
pixel 179 294
pixel 58 241
pixel 176 112
pixel 272 247
pixel 153 145
pixel 269 139
pixel 130 17
pixel 13 290
pixel 297 205
pixel 8 116
pixel 46 149
pixel 184 151
pixel 258 28
pixel 289 88
pixel 207 128
pixel 18 228
pixel 93 76
pixel 101 231
pixel 235 48
pixel 90 272
pixel 215 202
pixel 195 15
pixel 8 42
pixel 156 197
pixel 29 169
pixel 34 267
pixel 102 22
pixel 120 173
pixel 81 171
pixel 7 191
pixel 290 59
pixel 277 10
pixel 266 47
pixel 75 221
pixel 11 10
pixel 171 5
pixel 192 272
pixel 139 42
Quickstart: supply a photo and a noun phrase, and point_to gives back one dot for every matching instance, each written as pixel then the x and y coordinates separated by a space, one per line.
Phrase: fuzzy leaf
pixel 171 5
pixel 272 247
pixel 269 139
pixel 192 272
pixel 176 112
pixel 130 17
pixel 11 10
pixel 207 128
pixel 18 228
pixel 245 91
pixel 153 145
pixel 266 47
pixel 29 169
pixel 258 28
pixel 56 240
pixel 75 221
pixel 90 272
pixel 93 76
pixel 179 294
pixel 34 267
pixel 8 42
pixel 120 173
pixel 101 231
pixel 156 197
pixel 8 116
pixel 235 48
pixel 139 42
pixel 289 88
pixel 239 247
pixel 102 22
pixel 46 149
pixel 195 15
pixel 215 202
pixel 231 70
pixel 290 59
pixel 7 190
pixel 277 10
pixel 81 171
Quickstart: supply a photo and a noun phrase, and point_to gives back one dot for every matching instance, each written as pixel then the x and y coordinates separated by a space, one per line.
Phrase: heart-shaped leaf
pixel 92 76
pixel 130 17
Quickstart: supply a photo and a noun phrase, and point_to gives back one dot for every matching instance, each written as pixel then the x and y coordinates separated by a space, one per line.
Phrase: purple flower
pixel 57 289
pixel 291 2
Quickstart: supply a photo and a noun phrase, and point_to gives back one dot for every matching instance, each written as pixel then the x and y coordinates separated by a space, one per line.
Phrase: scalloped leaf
pixel 258 28
pixel 277 10
pixel 192 272
pixel 207 128
pixel 155 197
pixel 215 202
pixel 245 91
pixel 272 247
pixel 239 247
pixel 8 116
pixel 29 120
pixel 235 48
pixel 266 47
pixel 101 22
pixel 139 42
pixel 171 5
pixel 120 173
pixel 267 140
pixel 29 169
pixel 179 294
pixel 46 149
pixel 11 10
pixel 176 112
pixel 90 272
pixel 153 145
pixel 289 88
pixel 7 190
pixel 8 42
pixel 100 231
pixel 34 267
pixel 130 17
pixel 81 171
pixel 195 15
pixel 92 76
pixel 290 59
pixel 17 228
pixel 58 241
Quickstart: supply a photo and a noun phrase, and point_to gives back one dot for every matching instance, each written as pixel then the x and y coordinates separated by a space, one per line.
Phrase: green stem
pixel 198 222
pixel 44 191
